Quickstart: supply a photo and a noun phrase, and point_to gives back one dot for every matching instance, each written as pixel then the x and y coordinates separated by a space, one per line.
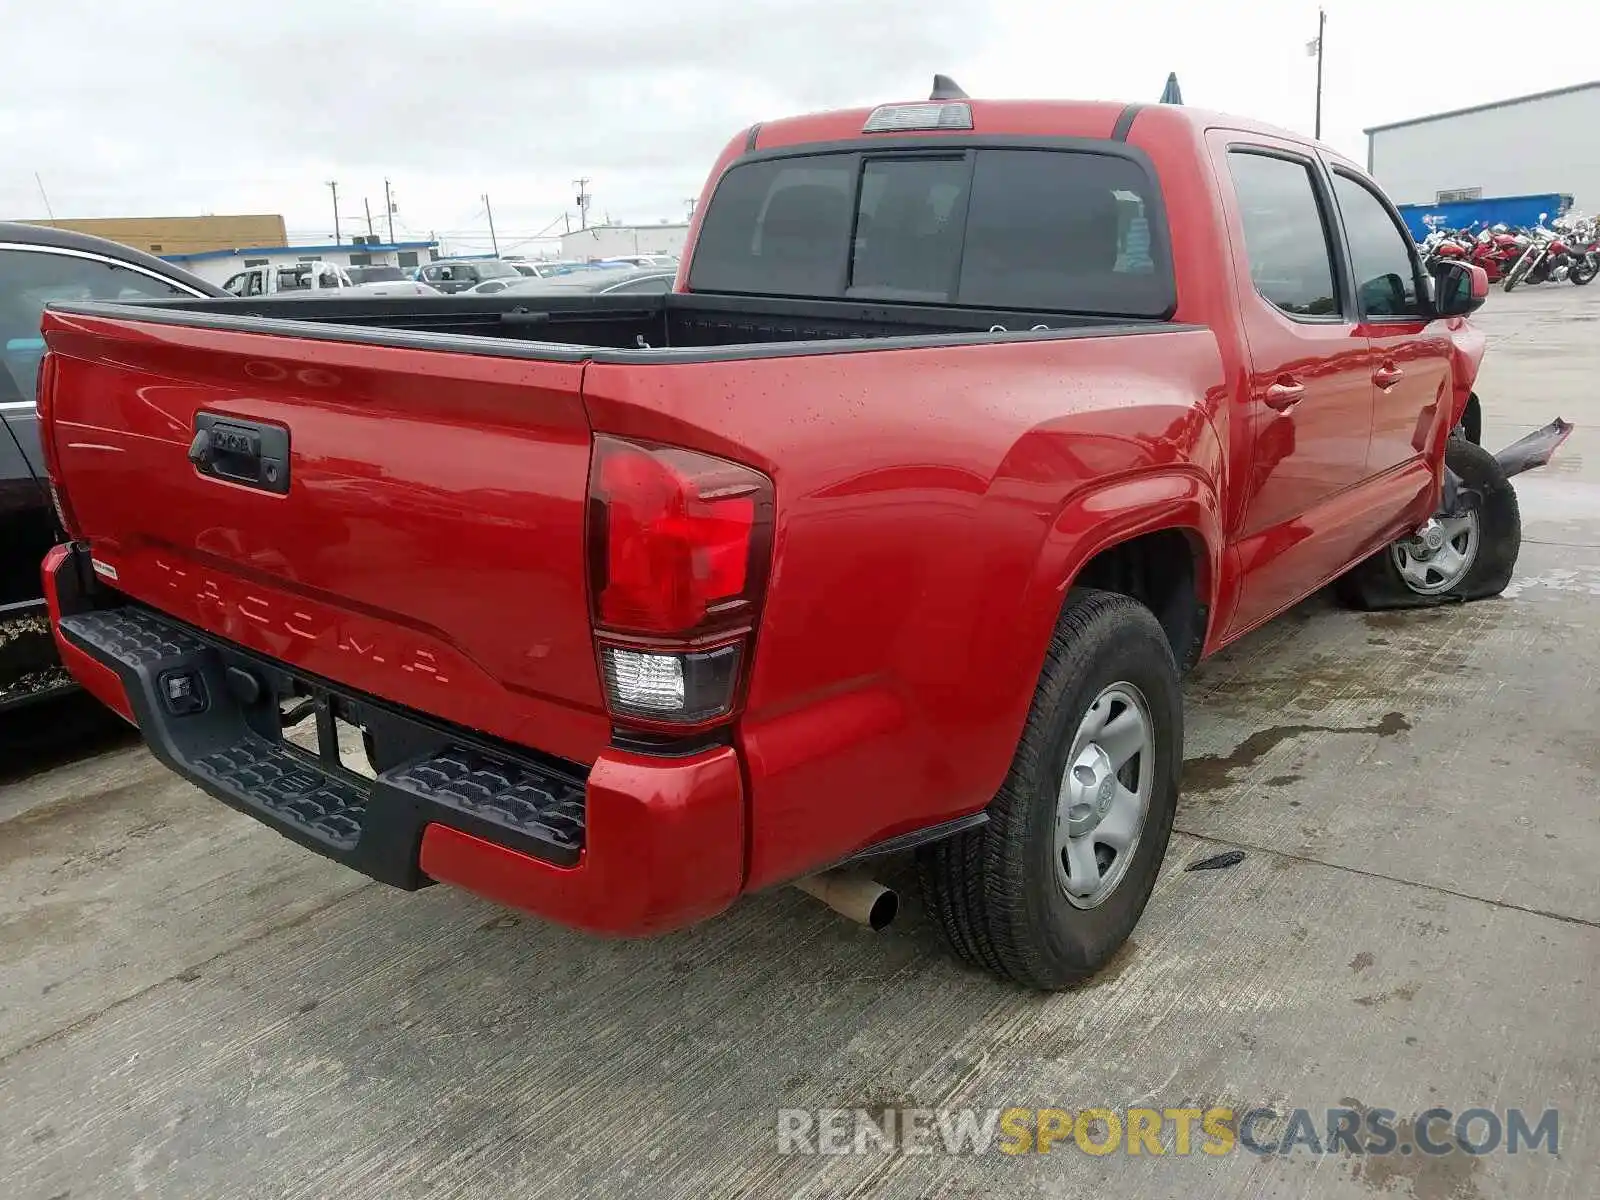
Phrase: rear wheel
pixel 1585 269
pixel 1052 885
pixel 1468 556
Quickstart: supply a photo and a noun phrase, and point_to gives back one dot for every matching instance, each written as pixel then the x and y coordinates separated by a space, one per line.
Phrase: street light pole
pixel 583 202
pixel 1322 22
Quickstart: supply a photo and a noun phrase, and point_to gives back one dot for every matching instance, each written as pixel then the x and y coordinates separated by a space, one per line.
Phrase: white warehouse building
pixel 1528 145
pixel 610 241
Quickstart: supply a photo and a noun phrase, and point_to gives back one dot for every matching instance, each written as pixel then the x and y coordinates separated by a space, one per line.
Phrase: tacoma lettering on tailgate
pixel 228 606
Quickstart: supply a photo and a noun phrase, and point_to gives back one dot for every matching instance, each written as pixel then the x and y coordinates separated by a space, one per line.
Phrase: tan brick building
pixel 182 235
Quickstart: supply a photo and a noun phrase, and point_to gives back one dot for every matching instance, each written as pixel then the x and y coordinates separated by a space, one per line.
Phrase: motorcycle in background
pixel 1569 248
pixel 1547 257
pixel 1584 248
pixel 1497 250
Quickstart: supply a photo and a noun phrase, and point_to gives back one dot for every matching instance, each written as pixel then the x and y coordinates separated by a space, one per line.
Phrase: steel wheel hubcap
pixel 1440 555
pixel 1104 795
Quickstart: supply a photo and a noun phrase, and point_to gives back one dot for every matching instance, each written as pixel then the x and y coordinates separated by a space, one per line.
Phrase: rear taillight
pixel 679 544
pixel 44 408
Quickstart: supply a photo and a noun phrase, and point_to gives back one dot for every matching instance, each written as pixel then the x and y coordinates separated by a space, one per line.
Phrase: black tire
pixel 1471 424
pixel 994 890
pixel 1584 270
pixel 1378 584
pixel 1514 276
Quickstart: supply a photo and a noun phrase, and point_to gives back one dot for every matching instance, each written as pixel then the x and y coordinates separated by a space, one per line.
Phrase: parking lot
pixel 191 1006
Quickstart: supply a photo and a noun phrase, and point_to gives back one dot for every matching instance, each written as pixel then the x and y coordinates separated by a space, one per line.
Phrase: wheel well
pixel 1160 570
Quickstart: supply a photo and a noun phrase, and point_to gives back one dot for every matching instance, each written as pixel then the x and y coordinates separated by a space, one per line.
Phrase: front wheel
pixel 1585 269
pixel 1468 556
pixel 1514 276
pixel 1051 887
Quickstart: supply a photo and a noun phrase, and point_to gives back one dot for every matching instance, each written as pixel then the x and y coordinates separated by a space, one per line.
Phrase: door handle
pixel 1387 375
pixel 1283 394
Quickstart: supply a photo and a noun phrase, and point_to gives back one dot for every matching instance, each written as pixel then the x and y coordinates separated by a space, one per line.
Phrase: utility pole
pixel 583 202
pixel 691 202
pixel 493 241
pixel 333 186
pixel 368 207
pixel 388 207
pixel 1316 47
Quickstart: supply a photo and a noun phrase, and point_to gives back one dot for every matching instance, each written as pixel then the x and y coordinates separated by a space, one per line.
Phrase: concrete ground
pixel 191 1006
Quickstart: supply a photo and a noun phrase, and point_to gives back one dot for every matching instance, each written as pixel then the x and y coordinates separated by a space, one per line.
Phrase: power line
pixel 45 197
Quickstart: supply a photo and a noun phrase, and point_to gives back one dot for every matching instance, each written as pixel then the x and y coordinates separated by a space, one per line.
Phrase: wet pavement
pixel 190 1006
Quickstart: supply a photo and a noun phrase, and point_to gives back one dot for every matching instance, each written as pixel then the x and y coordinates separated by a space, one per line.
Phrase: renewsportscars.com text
pixel 1179 1132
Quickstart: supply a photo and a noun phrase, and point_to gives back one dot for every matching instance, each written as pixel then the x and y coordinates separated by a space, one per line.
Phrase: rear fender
pixel 1118 511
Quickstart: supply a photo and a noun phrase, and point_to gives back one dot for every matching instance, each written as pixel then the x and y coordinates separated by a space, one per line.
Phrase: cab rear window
pixel 1034 229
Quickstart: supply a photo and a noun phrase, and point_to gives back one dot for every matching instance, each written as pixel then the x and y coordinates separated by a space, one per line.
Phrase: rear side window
pixel 1050 230
pixel 1285 236
pixel 1034 229
pixel 778 228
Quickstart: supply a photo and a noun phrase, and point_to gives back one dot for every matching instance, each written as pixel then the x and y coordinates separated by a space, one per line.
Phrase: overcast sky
pixel 168 107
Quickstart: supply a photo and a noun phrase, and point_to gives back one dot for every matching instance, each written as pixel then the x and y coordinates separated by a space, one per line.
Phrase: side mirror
pixel 1542 216
pixel 1459 288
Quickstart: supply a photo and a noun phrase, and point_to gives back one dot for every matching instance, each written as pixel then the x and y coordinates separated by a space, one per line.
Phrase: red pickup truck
pixel 968 427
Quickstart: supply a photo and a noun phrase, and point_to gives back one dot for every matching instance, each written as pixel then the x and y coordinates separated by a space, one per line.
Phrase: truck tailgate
pixel 425 543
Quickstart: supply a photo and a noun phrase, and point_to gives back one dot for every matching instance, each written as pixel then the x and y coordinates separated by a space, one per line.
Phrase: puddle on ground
pixel 1574 581
pixel 1213 772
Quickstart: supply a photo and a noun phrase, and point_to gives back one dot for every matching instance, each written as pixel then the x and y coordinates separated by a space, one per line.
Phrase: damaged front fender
pixel 1535 450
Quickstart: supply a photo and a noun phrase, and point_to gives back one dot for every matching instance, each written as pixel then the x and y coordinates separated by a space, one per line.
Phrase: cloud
pixel 184 107
pixel 153 107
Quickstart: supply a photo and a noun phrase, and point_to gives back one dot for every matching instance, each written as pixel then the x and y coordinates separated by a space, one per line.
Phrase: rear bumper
pixel 633 845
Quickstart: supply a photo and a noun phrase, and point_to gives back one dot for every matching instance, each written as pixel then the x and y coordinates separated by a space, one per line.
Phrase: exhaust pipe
pixel 851 894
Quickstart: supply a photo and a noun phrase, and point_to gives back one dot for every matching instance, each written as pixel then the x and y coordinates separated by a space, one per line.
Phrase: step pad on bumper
pixel 132 636
pixel 313 800
pixel 500 792
pixel 235 750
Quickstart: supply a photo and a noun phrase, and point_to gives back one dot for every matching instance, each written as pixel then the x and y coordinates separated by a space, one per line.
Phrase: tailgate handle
pixel 250 453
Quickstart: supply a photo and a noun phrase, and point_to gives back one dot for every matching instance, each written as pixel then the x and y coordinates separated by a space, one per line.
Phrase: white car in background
pixel 387 281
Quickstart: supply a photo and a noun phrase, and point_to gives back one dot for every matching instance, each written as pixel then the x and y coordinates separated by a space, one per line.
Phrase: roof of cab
pixel 1013 118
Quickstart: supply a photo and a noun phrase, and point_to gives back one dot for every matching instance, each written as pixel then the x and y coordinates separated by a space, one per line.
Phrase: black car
pixel 38 265
pixel 452 275
pixel 360 275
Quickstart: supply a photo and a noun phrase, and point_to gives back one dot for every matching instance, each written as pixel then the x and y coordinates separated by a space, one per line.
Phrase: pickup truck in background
pixel 39 264
pixel 297 279
pixel 969 427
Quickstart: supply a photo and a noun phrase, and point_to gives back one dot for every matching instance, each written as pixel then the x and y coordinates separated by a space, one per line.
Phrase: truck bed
pixel 616 328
